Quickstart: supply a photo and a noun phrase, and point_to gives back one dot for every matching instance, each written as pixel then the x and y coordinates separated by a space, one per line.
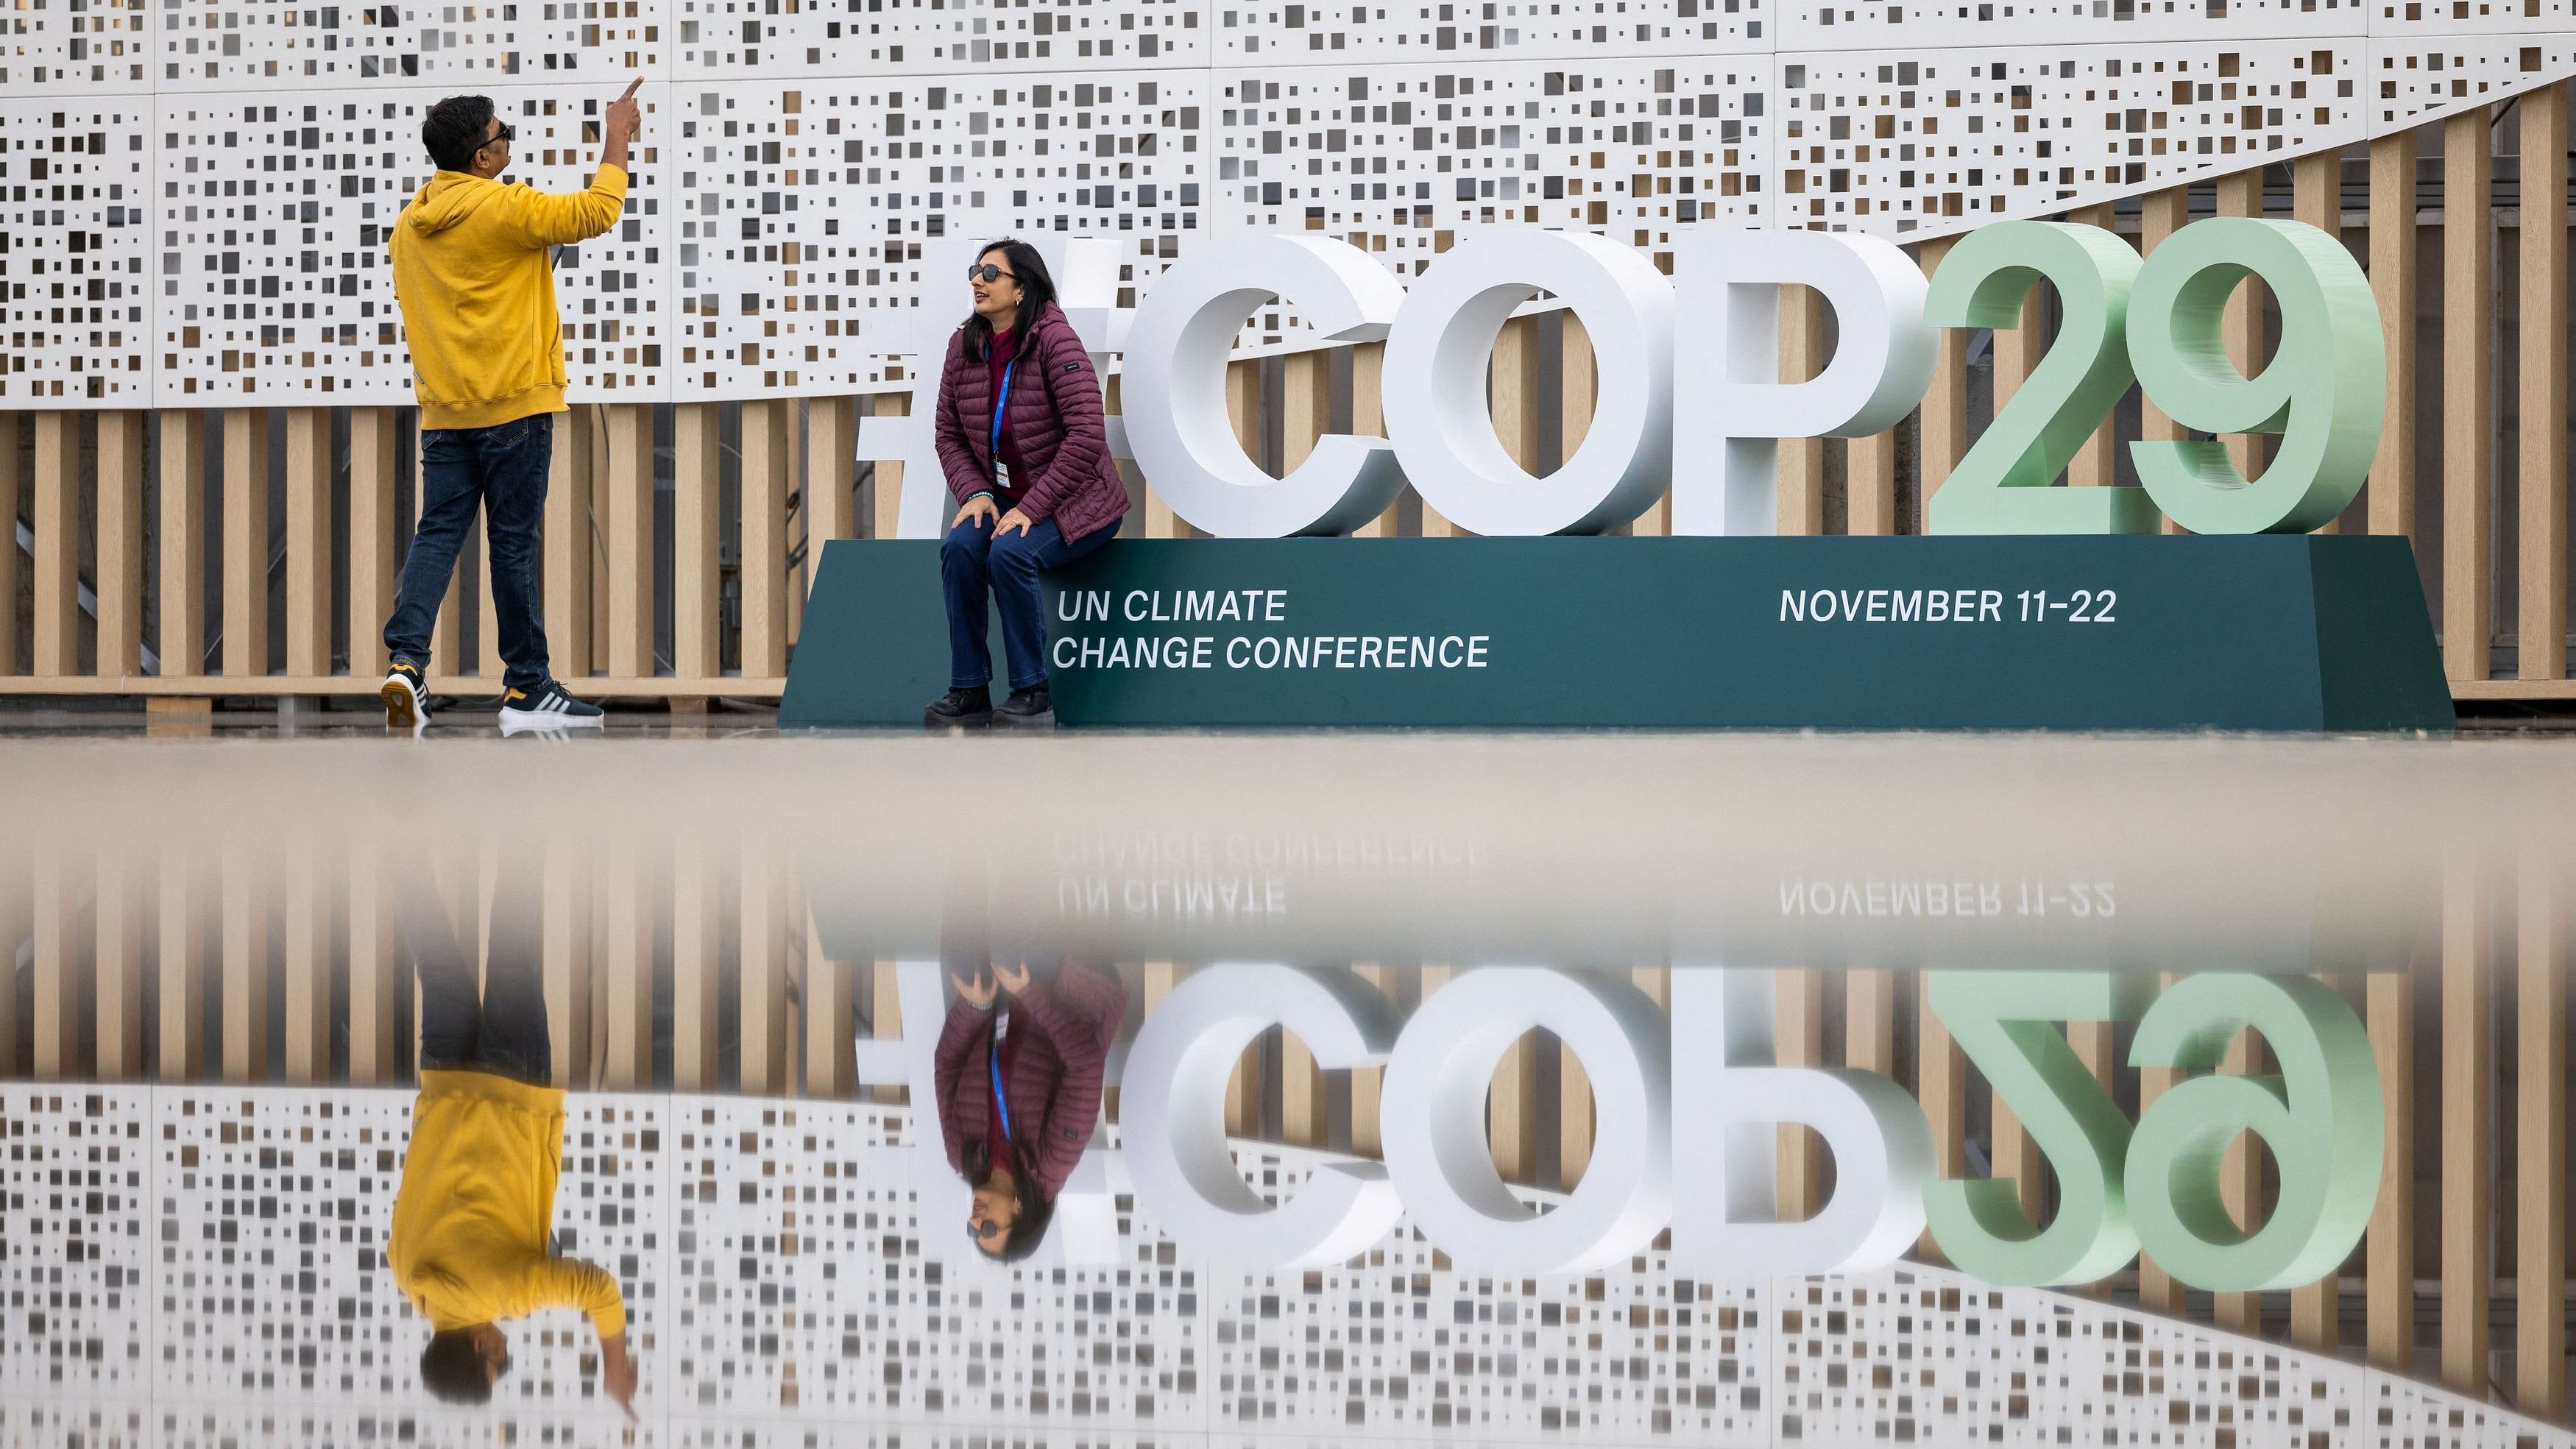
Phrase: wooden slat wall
pixel 2468 394
pixel 2541 315
pixel 2540 1130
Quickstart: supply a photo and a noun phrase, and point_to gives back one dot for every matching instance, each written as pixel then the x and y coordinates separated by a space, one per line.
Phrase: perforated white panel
pixel 203 1266
pixel 74 48
pixel 804 209
pixel 75 209
pixel 744 39
pixel 263 45
pixel 276 283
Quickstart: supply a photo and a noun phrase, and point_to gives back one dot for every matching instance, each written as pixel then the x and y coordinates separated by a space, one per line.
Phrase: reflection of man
pixel 473 274
pixel 471 1232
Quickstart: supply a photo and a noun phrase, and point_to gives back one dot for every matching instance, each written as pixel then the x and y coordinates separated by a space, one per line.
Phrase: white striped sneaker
pixel 406 699
pixel 546 707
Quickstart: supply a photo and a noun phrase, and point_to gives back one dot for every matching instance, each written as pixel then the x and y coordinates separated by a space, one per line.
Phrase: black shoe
pixel 960 709
pixel 1029 709
pixel 406 697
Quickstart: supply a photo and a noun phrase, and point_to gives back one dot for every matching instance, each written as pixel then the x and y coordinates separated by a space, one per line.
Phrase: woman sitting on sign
pixel 1024 450
pixel 1019 1072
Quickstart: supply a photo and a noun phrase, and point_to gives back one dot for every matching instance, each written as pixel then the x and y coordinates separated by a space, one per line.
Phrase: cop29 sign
pixel 1690 396
pixel 1686 1105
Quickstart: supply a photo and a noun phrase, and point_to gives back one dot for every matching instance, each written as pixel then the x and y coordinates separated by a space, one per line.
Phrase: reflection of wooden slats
pixel 830 1027
pixel 307 929
pixel 1511 1111
pixel 625 1035
pixel 2540 1110
pixel 885 1015
pixel 563 946
pixel 118 966
pixel 2467 1118
pixel 1368 1082
pixel 243 964
pixel 1798 1040
pixel 762 970
pixel 1941 1085
pixel 2158 1290
pixel 2092 1043
pixel 376 972
pixel 60 950
pixel 696 916
pixel 180 946
pixel 2240 1187
pixel 2388 1248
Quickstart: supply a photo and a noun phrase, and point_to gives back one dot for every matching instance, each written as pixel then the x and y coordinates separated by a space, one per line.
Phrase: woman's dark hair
pixel 1037 289
pixel 455 129
pixel 1030 1228
pixel 452 1371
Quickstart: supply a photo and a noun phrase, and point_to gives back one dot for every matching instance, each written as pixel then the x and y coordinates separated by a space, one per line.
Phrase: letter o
pixel 1432 1117
pixel 1435 383
pixel 1172 1102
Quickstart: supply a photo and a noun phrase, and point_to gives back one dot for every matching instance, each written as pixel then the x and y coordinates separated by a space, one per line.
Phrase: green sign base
pixel 2119 633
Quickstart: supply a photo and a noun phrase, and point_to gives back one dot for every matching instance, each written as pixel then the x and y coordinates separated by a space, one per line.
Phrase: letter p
pixel 1725 442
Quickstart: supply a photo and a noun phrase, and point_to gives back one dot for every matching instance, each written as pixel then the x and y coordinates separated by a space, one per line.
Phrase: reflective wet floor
pixel 756 961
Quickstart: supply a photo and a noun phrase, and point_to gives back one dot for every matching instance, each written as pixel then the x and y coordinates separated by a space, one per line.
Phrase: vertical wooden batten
pixel 119 571
pixel 2393 284
pixel 1944 416
pixel 763 533
pixel 2468 394
pixel 2540 630
pixel 372 524
pixel 1801 461
pixel 245 622
pixel 54 518
pixel 569 548
pixel 626 475
pixel 11 488
pixel 311 525
pixel 696 456
pixel 831 450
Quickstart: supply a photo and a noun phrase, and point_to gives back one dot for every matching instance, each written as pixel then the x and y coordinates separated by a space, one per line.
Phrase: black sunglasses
pixel 506 133
pixel 986 272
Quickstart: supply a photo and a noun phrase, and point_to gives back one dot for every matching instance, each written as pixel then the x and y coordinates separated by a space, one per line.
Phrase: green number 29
pixel 2159 323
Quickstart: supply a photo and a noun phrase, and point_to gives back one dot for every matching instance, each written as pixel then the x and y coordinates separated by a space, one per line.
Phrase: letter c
pixel 1172 1101
pixel 1175 392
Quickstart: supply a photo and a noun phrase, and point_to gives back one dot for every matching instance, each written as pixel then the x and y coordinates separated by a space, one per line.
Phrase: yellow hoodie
pixel 474 1215
pixel 474 275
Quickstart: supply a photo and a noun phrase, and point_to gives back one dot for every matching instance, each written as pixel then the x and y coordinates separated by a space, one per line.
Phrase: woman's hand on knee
pixel 1014 519
pixel 980 508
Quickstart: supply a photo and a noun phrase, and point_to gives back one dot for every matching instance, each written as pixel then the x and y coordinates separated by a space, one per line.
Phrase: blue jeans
pixel 502 470
pixel 500 1028
pixel 973 561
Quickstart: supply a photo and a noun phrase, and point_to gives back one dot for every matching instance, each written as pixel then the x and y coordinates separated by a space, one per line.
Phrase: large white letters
pixel 1432 1116
pixel 1172 1104
pixel 1175 390
pixel 1435 383
pixel 1726 432
pixel 1882 1146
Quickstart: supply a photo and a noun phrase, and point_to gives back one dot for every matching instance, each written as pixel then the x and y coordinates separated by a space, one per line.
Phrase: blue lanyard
pixel 993 1060
pixel 994 445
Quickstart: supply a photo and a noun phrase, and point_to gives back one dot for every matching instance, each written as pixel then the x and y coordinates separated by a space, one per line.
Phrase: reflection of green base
pixel 2262 633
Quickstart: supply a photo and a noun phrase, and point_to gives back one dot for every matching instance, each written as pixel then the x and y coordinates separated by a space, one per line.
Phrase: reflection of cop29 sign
pixel 1687 1104
pixel 1690 393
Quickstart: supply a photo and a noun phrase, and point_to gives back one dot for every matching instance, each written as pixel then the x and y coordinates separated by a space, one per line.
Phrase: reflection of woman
pixel 1023 447
pixel 1044 1041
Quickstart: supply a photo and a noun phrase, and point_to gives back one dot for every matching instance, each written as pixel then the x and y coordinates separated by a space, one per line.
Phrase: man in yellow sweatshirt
pixel 472 1236
pixel 474 274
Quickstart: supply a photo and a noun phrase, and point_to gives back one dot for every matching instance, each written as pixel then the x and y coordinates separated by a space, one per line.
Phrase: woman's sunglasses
pixel 987 272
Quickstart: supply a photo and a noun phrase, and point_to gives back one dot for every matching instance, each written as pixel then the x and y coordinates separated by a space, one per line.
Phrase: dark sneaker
pixel 960 709
pixel 1027 709
pixel 546 707
pixel 406 697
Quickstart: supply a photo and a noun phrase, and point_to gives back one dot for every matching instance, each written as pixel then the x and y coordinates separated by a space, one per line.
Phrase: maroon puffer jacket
pixel 1056 1071
pixel 1056 427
